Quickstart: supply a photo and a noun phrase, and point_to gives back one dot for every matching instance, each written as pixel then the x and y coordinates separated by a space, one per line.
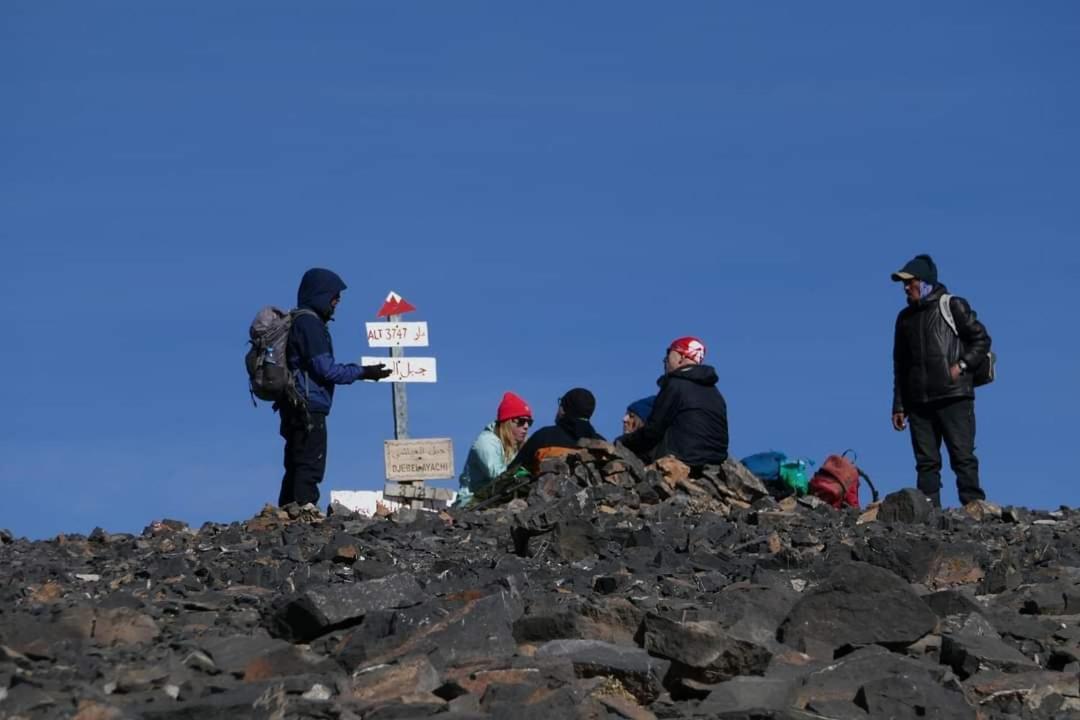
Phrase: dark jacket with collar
pixel 310 351
pixel 688 420
pixel 565 433
pixel 925 348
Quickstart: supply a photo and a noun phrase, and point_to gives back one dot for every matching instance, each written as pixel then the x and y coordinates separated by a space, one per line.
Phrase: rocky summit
pixel 602 589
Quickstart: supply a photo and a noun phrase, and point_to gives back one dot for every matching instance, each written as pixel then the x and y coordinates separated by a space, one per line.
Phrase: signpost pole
pixel 409 462
pixel 399 401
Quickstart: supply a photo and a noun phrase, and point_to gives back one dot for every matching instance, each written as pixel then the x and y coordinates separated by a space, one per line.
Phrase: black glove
pixel 376 372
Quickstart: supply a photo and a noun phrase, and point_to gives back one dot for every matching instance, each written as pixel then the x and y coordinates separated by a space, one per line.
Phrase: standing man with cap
pixel 309 355
pixel 689 417
pixel 933 384
pixel 572 424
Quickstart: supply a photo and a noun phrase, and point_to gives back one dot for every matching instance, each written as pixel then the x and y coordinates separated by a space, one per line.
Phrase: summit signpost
pixel 409 462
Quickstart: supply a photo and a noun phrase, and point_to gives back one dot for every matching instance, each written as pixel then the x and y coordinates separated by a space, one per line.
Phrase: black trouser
pixel 305 456
pixel 951 420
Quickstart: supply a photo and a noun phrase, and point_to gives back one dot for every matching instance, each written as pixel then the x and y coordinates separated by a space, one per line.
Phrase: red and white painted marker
pixel 395 305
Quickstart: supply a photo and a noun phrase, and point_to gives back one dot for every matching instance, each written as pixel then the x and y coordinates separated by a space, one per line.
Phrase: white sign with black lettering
pixel 399 334
pixel 405 369
pixel 428 459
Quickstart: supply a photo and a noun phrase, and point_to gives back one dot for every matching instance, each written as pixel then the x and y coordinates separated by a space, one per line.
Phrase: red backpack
pixel 837 481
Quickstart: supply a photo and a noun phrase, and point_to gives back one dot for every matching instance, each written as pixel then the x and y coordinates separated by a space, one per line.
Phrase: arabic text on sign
pixel 406 369
pixel 418 459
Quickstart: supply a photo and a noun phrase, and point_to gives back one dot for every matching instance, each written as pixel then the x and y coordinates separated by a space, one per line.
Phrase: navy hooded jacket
pixel 688 420
pixel 310 352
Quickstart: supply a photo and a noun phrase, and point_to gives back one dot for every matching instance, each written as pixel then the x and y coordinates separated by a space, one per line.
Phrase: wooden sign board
pixel 399 334
pixel 419 459
pixel 405 369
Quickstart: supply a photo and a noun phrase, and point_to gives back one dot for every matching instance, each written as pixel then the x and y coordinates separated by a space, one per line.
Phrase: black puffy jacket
pixel 689 419
pixel 565 433
pixel 925 348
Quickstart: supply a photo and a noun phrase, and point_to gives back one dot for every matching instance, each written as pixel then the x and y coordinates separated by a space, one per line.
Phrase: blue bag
pixel 766 465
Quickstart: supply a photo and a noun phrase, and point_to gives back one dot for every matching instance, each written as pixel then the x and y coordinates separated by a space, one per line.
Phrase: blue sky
pixel 561 188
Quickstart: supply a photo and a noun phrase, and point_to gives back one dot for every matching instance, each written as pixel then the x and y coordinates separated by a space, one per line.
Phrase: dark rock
pixel 574 540
pixel 256 701
pixel 384 682
pixel 969 653
pixel 319 610
pixel 639 673
pixel 449 631
pixel 912 696
pixel 233 653
pixel 26 698
pixel 119 626
pixel 1001 577
pixel 951 602
pixel 1046 599
pixel 840 682
pixel 908 506
pixel 743 694
pixel 704 651
pixel 436 615
pixel 846 610
pixel 1031 690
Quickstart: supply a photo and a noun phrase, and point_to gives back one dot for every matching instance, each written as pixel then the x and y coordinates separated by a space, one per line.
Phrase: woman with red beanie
pixel 496 446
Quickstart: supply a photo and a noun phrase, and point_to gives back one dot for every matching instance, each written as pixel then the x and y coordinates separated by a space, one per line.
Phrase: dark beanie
pixel 643 407
pixel 578 403
pixel 920 267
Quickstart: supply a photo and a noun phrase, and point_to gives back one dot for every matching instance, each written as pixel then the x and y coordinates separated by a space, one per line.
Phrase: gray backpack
pixel 986 371
pixel 269 378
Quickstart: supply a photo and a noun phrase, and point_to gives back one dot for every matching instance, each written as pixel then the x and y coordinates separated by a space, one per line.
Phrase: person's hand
pixel 376 372
pixel 955 372
pixel 899 421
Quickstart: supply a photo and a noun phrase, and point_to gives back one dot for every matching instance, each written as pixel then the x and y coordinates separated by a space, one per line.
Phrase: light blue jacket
pixel 485 462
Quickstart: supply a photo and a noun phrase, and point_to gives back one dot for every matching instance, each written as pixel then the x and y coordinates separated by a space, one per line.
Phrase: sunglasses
pixel 522 422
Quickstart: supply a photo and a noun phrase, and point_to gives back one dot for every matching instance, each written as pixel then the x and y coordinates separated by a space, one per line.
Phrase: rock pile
pixel 606 590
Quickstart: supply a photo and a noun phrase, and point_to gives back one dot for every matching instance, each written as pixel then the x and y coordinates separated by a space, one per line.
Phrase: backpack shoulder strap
pixel 295 312
pixel 946 312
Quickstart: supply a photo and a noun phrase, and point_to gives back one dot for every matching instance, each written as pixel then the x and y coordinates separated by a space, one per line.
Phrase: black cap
pixel 578 403
pixel 920 267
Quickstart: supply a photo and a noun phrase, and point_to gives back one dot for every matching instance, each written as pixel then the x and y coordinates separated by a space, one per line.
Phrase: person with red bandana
pixel 689 418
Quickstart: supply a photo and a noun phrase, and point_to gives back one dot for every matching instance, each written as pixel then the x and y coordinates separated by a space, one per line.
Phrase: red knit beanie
pixel 512 407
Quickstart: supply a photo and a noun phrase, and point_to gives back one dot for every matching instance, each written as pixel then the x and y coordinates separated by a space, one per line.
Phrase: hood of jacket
pixel 578 428
pixel 317 288
pixel 930 300
pixel 699 374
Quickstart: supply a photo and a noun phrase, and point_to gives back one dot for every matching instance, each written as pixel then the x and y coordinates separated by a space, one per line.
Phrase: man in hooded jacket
pixel 310 357
pixel 689 417
pixel 572 424
pixel 933 384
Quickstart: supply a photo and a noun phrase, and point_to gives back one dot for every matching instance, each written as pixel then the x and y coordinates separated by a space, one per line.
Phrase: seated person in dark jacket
pixel 571 425
pixel 689 417
pixel 637 413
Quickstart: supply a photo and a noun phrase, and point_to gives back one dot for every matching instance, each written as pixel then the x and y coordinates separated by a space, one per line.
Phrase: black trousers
pixel 954 422
pixel 305 456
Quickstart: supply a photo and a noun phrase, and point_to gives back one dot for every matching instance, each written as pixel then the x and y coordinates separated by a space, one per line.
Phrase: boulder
pixel 319 610
pixel 905 697
pixel 847 610
pixel 968 653
pixel 702 650
pixel 641 674
pixel 908 506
